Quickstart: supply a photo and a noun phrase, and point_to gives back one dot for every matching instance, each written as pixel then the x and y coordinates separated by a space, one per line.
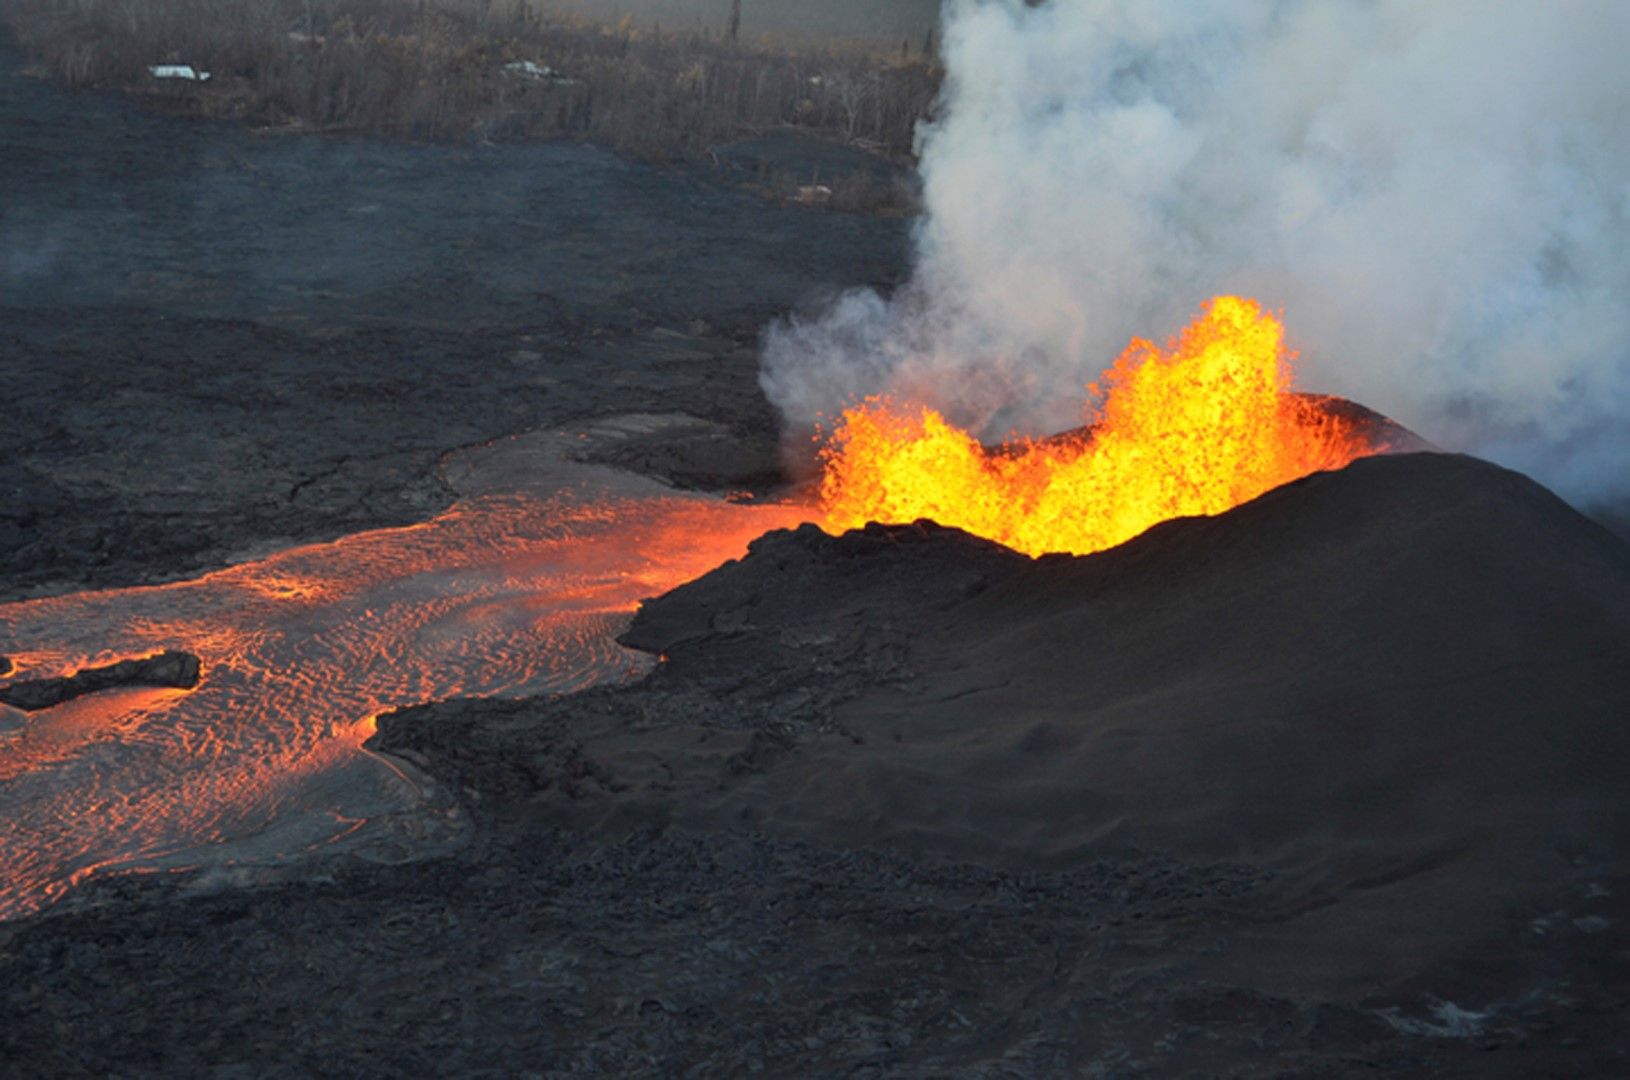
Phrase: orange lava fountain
pixel 1197 428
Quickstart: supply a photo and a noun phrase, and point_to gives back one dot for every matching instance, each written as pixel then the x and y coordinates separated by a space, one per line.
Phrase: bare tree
pixel 851 92
pixel 733 28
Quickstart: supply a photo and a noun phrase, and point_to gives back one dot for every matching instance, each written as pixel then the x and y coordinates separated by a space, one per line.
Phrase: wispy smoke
pixel 1436 194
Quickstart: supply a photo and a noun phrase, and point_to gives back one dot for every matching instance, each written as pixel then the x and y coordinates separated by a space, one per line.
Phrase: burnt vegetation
pixel 480 69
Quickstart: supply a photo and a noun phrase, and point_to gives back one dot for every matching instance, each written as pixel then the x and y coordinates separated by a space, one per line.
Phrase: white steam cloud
pixel 1437 195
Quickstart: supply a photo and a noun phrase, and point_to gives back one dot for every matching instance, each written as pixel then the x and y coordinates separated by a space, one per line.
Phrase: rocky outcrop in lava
pixel 172 669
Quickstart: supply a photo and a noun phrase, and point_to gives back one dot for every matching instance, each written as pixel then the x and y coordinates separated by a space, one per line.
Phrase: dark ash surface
pixel 214 343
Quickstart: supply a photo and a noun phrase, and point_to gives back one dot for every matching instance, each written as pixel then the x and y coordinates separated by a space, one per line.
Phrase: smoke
pixel 1437 196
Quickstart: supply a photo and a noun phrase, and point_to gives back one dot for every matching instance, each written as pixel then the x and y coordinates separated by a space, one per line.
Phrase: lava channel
pixel 508 594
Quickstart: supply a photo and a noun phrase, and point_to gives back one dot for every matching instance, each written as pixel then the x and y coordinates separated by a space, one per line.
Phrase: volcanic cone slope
pixel 1402 688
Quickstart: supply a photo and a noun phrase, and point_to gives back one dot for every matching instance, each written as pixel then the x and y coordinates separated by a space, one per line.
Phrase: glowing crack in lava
pixel 1197 428
pixel 518 589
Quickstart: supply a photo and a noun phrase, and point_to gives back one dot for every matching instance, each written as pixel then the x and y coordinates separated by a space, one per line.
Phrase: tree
pixel 852 91
pixel 733 28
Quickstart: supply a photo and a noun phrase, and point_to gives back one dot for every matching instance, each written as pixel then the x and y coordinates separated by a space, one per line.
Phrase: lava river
pixel 517 589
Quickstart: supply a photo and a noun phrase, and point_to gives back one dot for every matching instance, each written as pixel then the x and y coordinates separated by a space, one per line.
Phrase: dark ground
pixel 178 299
pixel 1331 785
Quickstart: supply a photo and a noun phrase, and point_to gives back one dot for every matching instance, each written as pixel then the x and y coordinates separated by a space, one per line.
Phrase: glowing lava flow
pixel 504 594
pixel 1197 428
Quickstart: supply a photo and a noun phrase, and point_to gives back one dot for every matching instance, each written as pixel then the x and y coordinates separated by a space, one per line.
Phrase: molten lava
pixel 507 594
pixel 1197 428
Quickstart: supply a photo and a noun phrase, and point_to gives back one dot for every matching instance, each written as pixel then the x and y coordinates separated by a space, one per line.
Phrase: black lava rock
pixel 174 668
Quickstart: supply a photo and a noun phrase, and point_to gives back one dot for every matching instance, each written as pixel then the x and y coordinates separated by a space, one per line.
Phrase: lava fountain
pixel 1196 428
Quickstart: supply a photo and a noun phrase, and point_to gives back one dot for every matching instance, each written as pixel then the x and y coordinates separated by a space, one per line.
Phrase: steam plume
pixel 1437 196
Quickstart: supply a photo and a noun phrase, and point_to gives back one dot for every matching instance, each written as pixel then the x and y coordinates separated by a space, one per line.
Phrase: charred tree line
pixel 483 68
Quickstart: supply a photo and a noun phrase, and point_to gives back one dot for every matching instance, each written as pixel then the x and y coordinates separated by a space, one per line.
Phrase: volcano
pixel 1400 687
pixel 1342 769
pixel 377 699
pixel 1336 776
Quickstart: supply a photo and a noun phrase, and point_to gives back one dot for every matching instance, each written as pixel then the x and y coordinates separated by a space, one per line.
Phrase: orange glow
pixel 288 587
pixel 508 594
pixel 1196 428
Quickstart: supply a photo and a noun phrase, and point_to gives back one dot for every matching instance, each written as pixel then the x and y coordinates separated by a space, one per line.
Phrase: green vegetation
pixel 437 69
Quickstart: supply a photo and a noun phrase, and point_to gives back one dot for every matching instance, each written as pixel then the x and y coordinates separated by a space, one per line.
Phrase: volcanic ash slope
pixel 1402 690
